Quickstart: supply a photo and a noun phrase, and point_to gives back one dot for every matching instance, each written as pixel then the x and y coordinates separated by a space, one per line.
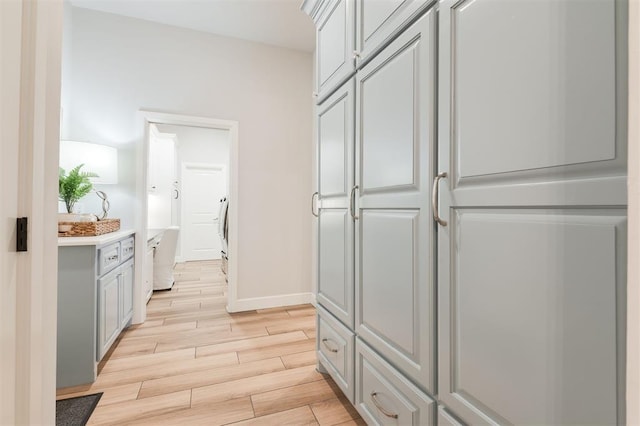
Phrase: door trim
pixel 142 152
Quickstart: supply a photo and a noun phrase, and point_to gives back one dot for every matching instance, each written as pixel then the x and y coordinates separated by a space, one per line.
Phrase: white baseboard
pixel 241 305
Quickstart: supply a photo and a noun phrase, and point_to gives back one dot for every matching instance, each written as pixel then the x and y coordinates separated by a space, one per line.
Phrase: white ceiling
pixel 275 22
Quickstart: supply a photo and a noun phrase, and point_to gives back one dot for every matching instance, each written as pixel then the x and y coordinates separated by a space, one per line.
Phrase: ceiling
pixel 275 22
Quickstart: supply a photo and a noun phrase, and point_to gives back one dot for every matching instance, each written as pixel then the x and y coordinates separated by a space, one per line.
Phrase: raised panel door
pixel 126 296
pixel 335 223
pixel 334 46
pixel 531 262
pixel 379 21
pixel 108 311
pixel 395 240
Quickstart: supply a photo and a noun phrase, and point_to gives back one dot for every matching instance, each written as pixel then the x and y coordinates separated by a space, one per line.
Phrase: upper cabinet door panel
pixel 334 46
pixel 533 86
pixel 379 21
pixel 336 143
pixel 390 96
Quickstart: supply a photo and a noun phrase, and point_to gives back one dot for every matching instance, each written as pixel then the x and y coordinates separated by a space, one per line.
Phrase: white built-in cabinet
pixel 471 209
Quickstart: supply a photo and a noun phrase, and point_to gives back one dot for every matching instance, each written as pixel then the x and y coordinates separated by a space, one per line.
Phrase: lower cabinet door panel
pixel 108 312
pixel 384 396
pixel 335 351
pixel 127 278
pixel 446 419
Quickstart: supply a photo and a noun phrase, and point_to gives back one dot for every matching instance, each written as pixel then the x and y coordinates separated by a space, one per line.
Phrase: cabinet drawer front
pixel 127 247
pixel 384 396
pixel 335 351
pixel 108 258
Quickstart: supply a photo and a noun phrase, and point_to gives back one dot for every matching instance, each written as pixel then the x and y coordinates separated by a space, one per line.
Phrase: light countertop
pixel 154 233
pixel 97 240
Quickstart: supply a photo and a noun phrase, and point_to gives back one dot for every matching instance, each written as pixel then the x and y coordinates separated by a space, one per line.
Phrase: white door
pixel 203 186
pixel 30 48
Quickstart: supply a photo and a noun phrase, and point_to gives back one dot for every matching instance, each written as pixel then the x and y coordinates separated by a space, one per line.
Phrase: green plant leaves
pixel 74 186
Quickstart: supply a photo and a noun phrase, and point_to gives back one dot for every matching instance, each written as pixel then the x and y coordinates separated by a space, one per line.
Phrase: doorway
pixel 168 122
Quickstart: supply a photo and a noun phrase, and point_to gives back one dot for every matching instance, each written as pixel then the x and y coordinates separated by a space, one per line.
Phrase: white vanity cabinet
pixel 95 301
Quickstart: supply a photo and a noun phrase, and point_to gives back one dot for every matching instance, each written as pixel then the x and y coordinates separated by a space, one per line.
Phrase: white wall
pixel 121 65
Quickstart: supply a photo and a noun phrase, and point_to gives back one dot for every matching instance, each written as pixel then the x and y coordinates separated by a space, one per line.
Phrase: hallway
pixel 191 362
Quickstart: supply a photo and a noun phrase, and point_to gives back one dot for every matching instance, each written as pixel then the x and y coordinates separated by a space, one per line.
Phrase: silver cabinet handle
pixel 380 407
pixel 434 199
pixel 313 197
pixel 352 202
pixel 177 194
pixel 324 342
pixel 356 54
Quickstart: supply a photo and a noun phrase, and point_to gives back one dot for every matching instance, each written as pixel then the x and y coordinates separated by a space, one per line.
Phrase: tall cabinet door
pixel 395 133
pixel 335 223
pixel 531 262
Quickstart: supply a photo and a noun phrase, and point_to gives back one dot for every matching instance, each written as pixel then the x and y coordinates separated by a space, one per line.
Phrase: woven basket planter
pixel 89 229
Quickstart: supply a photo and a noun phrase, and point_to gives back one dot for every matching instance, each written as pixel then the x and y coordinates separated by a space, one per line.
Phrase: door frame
pixel 142 153
pixel 183 167
pixel 31 41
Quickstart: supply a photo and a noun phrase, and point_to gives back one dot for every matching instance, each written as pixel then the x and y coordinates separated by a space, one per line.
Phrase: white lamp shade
pixel 99 159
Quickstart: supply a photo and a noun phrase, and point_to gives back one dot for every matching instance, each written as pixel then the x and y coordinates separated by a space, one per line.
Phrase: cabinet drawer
pixel 385 396
pixel 127 247
pixel 108 258
pixel 335 351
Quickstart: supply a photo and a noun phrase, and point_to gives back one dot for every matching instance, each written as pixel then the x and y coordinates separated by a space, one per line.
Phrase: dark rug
pixel 76 411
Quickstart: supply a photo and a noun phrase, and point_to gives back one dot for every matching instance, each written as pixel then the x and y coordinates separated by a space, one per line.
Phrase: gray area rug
pixel 76 411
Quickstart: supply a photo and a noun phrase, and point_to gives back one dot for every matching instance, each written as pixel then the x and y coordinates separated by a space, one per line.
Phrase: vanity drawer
pixel 127 248
pixel 384 396
pixel 108 258
pixel 335 351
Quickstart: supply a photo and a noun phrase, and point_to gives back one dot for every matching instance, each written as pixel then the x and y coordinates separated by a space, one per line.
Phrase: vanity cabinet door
pixel 126 293
pixel 108 311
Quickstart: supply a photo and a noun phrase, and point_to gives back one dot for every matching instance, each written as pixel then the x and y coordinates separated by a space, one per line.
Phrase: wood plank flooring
pixel 192 363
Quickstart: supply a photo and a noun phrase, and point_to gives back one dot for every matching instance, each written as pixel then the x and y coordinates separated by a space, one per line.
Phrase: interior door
pixel 335 223
pixel 203 186
pixel 395 138
pixel 531 262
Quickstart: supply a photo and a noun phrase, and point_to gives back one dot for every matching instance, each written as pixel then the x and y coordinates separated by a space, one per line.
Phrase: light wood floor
pixel 193 363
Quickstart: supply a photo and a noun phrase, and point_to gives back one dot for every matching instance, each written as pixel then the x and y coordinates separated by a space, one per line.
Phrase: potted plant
pixel 74 185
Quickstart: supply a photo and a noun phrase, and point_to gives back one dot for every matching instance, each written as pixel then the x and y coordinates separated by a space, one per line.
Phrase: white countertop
pixel 97 240
pixel 153 233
